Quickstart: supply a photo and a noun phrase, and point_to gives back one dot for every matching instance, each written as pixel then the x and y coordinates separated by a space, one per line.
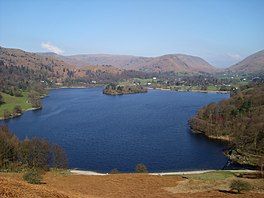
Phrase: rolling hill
pixel 166 63
pixel 252 64
pixel 19 68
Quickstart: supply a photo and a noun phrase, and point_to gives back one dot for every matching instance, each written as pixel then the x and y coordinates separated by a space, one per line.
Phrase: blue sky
pixel 222 32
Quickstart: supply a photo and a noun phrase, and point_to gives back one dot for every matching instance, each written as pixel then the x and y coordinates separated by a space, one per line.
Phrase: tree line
pixel 32 153
pixel 241 118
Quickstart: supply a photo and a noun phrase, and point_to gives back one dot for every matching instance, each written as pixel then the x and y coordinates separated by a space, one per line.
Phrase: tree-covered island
pixel 116 89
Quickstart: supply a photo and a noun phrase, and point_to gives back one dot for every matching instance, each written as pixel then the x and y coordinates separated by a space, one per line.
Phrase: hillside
pixel 252 64
pixel 238 119
pixel 20 69
pixel 166 63
pixel 50 65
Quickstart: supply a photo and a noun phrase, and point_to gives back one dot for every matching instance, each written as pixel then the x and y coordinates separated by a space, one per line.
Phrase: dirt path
pixel 83 172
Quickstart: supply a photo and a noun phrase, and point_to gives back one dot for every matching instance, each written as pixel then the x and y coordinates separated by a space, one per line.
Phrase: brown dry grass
pixel 112 186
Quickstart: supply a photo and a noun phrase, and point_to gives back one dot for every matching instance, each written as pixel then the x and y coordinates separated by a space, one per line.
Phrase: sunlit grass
pixel 12 101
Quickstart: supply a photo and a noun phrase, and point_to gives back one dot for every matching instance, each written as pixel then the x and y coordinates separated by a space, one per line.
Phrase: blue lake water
pixel 101 132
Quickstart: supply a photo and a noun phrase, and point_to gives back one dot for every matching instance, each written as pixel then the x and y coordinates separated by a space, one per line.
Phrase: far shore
pixel 75 87
pixel 84 172
pixel 199 91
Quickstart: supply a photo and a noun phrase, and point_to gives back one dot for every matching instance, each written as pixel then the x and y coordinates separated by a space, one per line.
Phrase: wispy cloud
pixel 235 57
pixel 224 59
pixel 52 48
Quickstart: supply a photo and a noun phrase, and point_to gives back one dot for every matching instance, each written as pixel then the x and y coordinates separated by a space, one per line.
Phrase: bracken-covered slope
pixel 19 69
pixel 252 64
pixel 166 63
pixel 49 66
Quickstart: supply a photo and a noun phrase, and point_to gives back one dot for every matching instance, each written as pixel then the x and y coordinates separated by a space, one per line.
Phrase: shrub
pixel 240 185
pixel 114 171
pixel 33 177
pixel 7 114
pixel 1 99
pixel 17 110
pixel 141 168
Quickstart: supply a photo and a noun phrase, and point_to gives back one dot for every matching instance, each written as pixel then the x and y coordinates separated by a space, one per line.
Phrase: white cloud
pixel 50 47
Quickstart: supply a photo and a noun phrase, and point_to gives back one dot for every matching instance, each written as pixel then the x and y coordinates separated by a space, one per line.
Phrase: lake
pixel 100 132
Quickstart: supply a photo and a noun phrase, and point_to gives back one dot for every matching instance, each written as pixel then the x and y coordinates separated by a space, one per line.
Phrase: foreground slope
pixel 124 185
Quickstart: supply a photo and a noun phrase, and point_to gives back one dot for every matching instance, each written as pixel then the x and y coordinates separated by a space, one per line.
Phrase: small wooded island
pixel 116 89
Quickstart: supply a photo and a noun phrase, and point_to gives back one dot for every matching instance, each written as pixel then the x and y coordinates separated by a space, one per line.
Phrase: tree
pixel 17 110
pixel 8 147
pixel 7 114
pixel 261 165
pixel 39 152
pixel 24 152
pixel 59 157
pixel 141 168
pixel 34 99
pixel 1 99
pixel 240 185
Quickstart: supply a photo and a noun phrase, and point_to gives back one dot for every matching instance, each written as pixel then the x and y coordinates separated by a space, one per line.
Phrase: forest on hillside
pixel 239 119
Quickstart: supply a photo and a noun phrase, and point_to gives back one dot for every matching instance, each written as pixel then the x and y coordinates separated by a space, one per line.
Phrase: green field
pixel 12 101
pixel 214 175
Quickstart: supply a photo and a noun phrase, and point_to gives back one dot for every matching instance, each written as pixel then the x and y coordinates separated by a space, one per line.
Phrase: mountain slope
pixel 20 69
pixel 166 63
pixel 48 66
pixel 252 64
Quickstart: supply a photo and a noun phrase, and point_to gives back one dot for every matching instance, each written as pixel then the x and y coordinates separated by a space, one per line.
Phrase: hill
pixel 238 119
pixel 252 64
pixel 21 69
pixel 166 63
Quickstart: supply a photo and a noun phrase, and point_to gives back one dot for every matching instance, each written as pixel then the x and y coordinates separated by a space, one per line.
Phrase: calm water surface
pixel 101 132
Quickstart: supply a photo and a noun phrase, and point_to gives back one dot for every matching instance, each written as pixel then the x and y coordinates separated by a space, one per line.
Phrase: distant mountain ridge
pixel 251 64
pixel 20 68
pixel 165 63
pixel 117 63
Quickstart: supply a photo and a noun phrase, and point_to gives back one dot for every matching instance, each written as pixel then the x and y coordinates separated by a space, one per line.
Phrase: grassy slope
pixel 12 101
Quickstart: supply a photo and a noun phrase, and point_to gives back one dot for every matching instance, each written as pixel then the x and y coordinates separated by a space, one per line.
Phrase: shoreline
pixel 18 115
pixel 42 97
pixel 212 137
pixel 75 87
pixel 197 91
pixel 193 172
